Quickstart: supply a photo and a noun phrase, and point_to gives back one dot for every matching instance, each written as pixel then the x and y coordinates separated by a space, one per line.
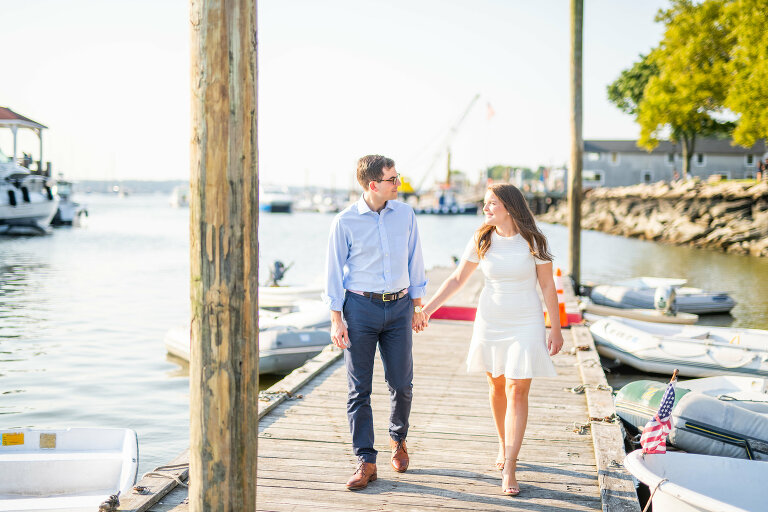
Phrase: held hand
pixel 419 322
pixel 339 334
pixel 554 342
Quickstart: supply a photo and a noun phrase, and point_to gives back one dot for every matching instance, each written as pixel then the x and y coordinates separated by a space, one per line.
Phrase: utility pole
pixel 224 257
pixel 577 146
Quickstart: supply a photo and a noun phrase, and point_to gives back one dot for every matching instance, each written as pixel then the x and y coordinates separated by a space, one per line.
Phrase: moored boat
pixel 73 469
pixel 686 482
pixel 687 300
pixel 697 351
pixel 285 341
pixel 646 315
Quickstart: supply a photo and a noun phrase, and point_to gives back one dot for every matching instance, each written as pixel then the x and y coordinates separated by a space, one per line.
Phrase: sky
pixel 337 79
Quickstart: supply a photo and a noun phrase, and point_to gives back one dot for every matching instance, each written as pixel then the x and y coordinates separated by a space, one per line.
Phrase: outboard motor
pixel 664 300
pixel 277 272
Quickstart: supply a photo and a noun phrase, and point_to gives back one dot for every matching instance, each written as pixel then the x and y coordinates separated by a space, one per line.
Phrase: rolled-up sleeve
pixel 338 250
pixel 416 273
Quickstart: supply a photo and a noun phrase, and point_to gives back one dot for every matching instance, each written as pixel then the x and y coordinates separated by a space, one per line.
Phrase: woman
pixel 509 338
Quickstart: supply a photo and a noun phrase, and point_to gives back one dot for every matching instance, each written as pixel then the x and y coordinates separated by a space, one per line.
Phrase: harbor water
pixel 83 311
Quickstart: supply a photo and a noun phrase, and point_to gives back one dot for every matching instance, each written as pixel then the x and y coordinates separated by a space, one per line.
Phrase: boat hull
pixel 65 469
pixel 686 482
pixel 696 351
pixel 646 315
pixel 687 300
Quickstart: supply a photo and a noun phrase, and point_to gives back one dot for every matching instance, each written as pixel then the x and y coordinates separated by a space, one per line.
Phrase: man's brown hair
pixel 371 168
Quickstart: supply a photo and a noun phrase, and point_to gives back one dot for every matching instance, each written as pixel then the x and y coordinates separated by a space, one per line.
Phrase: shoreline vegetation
pixel 730 216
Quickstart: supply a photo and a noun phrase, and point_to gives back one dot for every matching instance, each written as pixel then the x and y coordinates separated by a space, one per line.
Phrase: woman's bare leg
pixel 497 395
pixel 514 427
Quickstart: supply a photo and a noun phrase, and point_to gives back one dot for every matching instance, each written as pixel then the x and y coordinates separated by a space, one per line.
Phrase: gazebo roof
pixel 10 118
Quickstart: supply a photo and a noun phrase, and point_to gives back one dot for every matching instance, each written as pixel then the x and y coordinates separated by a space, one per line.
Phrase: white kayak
pixel 696 350
pixel 646 315
pixel 65 470
pixel 686 482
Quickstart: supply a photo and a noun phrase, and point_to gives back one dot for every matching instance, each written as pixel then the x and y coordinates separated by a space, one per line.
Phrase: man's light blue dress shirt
pixel 374 252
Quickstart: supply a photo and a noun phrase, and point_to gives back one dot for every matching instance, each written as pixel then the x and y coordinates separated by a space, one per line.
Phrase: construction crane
pixel 447 145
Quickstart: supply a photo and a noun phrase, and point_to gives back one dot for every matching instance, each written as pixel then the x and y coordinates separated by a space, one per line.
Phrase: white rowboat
pixel 69 470
pixel 686 482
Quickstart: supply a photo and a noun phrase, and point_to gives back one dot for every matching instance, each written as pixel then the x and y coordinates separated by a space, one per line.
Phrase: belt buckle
pixel 384 297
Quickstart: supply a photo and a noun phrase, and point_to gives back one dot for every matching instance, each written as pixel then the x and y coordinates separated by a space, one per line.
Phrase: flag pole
pixel 674 375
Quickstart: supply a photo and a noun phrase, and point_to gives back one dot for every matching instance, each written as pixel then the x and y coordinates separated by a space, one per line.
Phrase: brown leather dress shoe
pixel 399 455
pixel 364 474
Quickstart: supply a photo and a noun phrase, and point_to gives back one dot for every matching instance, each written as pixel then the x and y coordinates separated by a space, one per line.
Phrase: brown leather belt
pixel 386 297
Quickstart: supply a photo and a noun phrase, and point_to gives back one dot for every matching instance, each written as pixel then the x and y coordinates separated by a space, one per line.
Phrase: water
pixel 83 311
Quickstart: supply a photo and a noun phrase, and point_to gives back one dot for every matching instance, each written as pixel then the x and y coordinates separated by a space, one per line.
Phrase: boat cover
pixel 704 424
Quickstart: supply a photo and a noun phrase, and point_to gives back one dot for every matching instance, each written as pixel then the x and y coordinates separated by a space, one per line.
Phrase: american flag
pixel 655 432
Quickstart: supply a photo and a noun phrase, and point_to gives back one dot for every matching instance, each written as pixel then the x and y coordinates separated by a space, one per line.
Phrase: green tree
pixel 626 92
pixel 748 94
pixel 688 94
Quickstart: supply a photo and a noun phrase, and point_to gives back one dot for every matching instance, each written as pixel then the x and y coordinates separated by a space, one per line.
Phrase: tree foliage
pixel 748 68
pixel 626 92
pixel 688 94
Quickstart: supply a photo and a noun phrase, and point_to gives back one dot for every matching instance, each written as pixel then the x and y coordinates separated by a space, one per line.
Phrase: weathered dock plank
pixel 305 454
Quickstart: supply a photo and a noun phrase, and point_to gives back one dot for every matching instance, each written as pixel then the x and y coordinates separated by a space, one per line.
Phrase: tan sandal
pixel 512 490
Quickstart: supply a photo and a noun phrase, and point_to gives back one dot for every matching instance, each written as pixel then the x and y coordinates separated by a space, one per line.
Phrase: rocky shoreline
pixel 730 216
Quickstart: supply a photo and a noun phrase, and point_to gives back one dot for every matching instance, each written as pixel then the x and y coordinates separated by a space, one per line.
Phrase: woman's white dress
pixel 509 337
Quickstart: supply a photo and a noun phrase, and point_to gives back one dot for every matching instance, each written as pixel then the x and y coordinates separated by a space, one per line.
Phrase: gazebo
pixel 14 121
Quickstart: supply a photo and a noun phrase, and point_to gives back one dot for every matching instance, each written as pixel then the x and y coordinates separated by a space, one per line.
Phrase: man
pixel 375 285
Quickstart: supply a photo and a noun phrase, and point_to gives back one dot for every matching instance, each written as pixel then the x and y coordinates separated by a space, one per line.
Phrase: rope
pixel 650 499
pixel 581 388
pixel 169 467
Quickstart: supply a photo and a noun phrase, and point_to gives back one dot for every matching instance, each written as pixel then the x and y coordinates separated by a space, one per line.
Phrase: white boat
pixel 69 213
pixel 66 470
pixel 27 200
pixel 686 482
pixel 646 315
pixel 285 341
pixel 275 200
pixel 746 392
pixel 179 196
pixel 696 350
pixel 687 300
pixel 287 296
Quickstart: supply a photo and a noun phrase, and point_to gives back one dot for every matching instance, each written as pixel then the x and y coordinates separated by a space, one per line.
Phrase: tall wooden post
pixel 577 146
pixel 224 257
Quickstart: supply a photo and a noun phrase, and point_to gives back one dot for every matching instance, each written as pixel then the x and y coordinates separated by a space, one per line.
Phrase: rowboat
pixel 645 315
pixel 686 482
pixel 687 300
pixel 697 351
pixel 65 470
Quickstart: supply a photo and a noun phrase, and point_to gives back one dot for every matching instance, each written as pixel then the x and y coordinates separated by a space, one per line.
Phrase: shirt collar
pixel 362 206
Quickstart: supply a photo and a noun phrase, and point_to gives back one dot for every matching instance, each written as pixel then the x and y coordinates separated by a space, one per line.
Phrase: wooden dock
pixel 570 459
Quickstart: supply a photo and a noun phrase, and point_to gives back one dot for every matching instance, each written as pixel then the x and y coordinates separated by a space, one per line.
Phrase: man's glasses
pixel 394 179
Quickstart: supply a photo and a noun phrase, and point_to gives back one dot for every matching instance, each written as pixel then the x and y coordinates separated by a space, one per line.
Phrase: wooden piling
pixel 224 257
pixel 577 145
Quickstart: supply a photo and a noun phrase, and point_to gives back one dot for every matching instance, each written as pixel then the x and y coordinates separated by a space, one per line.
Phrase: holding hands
pixel 420 319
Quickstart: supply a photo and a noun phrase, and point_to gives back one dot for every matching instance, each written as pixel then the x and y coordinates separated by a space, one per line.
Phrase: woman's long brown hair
pixel 514 202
